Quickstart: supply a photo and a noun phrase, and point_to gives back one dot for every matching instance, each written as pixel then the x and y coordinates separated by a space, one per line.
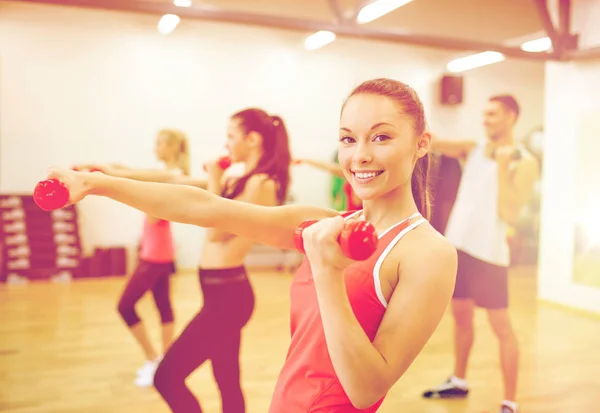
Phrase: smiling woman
pixel 386 134
pixel 356 326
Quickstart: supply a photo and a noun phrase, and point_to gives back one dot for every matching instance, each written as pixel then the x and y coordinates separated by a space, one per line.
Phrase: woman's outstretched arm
pixel 330 167
pixel 269 225
pixel 147 175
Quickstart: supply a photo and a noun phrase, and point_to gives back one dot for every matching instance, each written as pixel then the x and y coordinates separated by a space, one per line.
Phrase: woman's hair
pixel 405 96
pixel 276 158
pixel 178 138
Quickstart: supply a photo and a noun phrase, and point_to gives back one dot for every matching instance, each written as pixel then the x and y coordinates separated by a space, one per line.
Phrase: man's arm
pixel 458 149
pixel 516 186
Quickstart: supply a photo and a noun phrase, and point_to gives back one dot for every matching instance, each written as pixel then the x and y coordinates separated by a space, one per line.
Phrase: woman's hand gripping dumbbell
pixel 357 240
pixel 223 162
pixel 62 187
pixel 51 194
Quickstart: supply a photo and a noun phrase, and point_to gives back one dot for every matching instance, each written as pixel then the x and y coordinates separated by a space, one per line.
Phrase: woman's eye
pixel 382 137
pixel 346 139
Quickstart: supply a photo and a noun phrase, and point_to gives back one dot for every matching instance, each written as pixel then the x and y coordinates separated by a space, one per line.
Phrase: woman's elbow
pixel 363 397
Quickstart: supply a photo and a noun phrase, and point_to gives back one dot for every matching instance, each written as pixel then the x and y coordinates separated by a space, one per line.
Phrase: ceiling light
pixel 378 8
pixel 473 61
pixel 182 3
pixel 167 23
pixel 319 39
pixel 538 45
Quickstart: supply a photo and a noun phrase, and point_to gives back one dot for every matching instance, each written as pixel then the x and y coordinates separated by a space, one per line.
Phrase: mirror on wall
pixel 586 260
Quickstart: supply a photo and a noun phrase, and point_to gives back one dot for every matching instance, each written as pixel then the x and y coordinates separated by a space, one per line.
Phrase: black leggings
pixel 147 275
pixel 214 333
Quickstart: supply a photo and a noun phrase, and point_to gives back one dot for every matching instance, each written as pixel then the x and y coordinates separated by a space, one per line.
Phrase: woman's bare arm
pixel 259 190
pixel 269 225
pixel 367 370
pixel 148 175
pixel 332 168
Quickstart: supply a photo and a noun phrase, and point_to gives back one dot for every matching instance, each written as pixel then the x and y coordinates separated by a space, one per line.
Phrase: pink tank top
pixel 157 242
pixel 307 382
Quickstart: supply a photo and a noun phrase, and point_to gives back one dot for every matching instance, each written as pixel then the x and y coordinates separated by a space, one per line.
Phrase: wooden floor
pixel 63 349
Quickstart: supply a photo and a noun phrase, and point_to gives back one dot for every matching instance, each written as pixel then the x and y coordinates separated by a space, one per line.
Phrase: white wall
pixel 83 85
pixel 569 101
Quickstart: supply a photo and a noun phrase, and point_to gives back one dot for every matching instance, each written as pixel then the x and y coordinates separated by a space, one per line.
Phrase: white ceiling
pixel 496 21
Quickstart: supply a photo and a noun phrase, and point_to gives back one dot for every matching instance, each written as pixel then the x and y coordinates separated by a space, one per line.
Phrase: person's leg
pixel 509 350
pixel 493 295
pixel 162 298
pixel 463 307
pixel 226 369
pixel 463 311
pixel 226 359
pixel 137 285
pixel 192 348
pixel 160 292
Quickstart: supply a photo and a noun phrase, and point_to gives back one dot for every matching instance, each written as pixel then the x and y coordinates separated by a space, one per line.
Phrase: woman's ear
pixel 423 144
pixel 254 138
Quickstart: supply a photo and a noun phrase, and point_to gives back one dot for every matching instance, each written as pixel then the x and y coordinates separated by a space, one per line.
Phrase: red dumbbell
pixel 51 194
pixel 358 240
pixel 224 162
pixel 298 241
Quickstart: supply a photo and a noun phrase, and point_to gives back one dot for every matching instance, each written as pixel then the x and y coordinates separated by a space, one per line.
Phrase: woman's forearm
pixel 166 177
pixel 177 203
pixel 360 367
pixel 148 175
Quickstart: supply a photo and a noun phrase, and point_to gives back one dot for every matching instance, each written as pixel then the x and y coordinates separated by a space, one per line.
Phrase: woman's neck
pixel 171 164
pixel 390 209
pixel 252 161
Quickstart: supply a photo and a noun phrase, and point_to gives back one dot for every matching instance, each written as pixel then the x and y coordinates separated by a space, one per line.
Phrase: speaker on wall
pixel 451 88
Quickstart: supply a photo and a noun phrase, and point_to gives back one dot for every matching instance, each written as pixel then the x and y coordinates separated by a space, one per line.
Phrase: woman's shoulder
pixel 257 188
pixel 432 241
pixel 425 247
pixel 261 181
pixel 176 171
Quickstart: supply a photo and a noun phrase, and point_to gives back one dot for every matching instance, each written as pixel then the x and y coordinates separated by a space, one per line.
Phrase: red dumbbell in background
pixel 224 162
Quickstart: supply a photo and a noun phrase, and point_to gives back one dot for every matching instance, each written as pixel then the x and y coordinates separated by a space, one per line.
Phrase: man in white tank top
pixel 497 181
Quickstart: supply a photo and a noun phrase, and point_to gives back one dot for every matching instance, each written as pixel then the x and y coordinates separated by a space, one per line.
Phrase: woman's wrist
pixel 95 183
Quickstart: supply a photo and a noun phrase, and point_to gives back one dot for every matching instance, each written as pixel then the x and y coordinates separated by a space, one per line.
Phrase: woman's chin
pixel 367 194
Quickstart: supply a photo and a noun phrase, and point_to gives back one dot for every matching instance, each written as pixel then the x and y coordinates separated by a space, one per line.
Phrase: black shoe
pixel 447 390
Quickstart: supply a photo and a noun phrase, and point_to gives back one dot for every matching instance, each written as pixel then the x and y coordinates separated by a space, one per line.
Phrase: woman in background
pixel 156 253
pixel 260 141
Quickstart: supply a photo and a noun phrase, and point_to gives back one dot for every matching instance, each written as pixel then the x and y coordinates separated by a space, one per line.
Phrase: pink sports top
pixel 157 242
pixel 307 382
pixel 157 239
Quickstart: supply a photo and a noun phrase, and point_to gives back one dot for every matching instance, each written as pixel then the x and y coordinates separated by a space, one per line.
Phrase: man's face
pixel 497 120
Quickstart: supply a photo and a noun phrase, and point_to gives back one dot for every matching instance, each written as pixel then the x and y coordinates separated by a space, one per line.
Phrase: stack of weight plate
pixel 37 244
